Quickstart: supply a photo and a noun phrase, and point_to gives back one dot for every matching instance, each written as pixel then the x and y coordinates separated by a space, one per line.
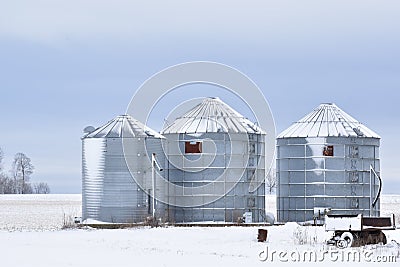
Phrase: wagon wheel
pixel 347 239
pixel 341 244
pixel 382 238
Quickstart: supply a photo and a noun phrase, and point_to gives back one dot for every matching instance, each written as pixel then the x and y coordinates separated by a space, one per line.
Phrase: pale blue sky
pixel 68 64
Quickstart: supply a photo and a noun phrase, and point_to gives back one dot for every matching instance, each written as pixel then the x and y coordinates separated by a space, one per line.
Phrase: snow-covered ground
pixel 26 240
pixel 390 204
pixel 37 212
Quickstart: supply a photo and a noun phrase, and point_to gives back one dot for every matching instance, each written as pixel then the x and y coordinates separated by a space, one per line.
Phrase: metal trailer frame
pixel 357 230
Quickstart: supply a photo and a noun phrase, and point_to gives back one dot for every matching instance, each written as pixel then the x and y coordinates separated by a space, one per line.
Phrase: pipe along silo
pixel 215 157
pixel 327 161
pixel 109 191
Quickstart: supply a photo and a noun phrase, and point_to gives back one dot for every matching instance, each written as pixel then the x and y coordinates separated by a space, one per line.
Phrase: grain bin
pixel 213 156
pixel 327 162
pixel 109 191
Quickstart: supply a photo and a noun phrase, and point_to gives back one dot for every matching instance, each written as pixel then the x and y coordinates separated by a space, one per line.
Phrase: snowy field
pixel 31 235
pixel 37 212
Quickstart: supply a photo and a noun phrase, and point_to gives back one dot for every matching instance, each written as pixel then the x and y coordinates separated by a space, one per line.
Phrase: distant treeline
pixel 18 182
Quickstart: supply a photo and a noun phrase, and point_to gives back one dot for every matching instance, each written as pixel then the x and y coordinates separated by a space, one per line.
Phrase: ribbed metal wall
pixel 109 191
pixel 93 163
pixel 233 148
pixel 245 153
pixel 308 179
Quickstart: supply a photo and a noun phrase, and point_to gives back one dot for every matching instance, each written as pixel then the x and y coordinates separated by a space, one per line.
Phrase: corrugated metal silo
pixel 327 161
pixel 212 143
pixel 109 191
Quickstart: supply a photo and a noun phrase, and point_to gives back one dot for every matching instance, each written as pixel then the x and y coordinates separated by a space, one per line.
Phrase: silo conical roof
pixel 325 121
pixel 123 126
pixel 212 115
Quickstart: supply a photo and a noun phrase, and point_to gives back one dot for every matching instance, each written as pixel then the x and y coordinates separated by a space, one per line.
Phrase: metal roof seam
pixel 212 115
pixel 327 120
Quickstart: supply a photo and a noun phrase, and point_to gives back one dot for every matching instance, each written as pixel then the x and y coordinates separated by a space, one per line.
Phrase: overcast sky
pixel 68 64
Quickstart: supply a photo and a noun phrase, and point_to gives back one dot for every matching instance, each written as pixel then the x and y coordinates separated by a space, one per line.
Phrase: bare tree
pixel 18 183
pixel 6 184
pixel 3 178
pixel 41 188
pixel 1 159
pixel 27 188
pixel 2 184
pixel 271 180
pixel 22 168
